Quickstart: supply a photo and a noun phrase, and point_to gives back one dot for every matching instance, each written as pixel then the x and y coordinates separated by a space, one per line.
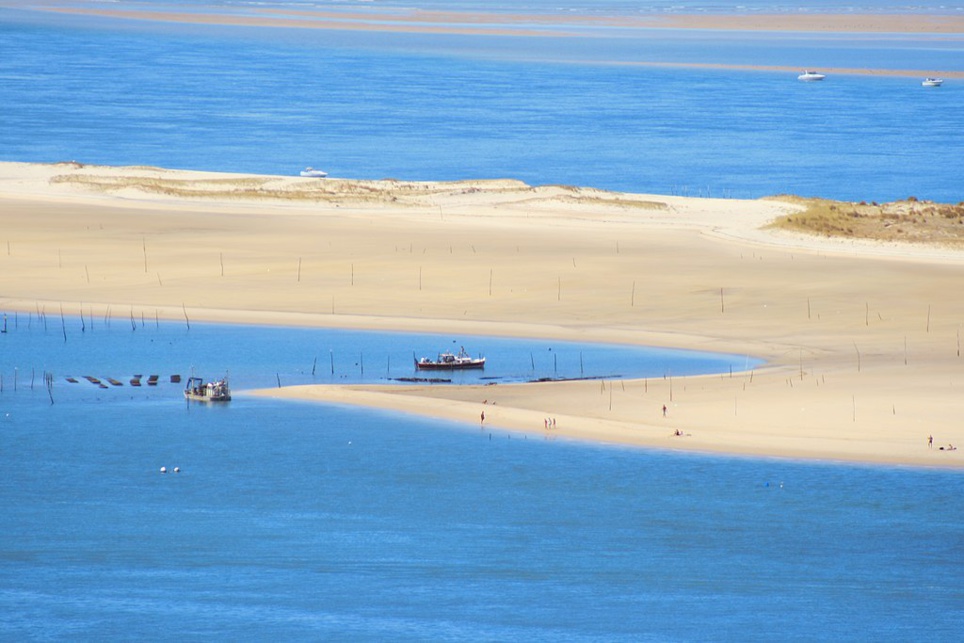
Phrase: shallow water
pixel 257 357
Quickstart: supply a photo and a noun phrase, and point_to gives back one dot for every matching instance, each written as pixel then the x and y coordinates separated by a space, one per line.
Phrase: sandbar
pixel 414 20
pixel 376 19
pixel 861 339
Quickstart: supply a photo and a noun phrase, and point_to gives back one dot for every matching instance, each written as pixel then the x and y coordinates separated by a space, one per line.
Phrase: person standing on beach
pixel 930 441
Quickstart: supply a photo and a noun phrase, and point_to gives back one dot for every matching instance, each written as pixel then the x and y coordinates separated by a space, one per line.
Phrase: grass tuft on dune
pixel 910 220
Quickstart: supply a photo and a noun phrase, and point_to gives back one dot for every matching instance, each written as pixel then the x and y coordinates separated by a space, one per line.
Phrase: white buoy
pixel 177 469
pixel 163 469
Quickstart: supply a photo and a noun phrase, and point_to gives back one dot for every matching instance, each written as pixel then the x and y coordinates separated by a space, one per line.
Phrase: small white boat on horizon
pixel 313 173
pixel 933 82
pixel 811 75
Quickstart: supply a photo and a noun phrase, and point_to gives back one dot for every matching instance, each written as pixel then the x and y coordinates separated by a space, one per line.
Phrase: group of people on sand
pixel 550 423
pixel 930 445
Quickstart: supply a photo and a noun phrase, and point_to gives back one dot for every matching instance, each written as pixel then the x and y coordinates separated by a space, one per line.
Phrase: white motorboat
pixel 313 173
pixel 933 82
pixel 811 75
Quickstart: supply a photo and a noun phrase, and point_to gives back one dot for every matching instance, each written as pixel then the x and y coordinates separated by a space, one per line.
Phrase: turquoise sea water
pixel 313 522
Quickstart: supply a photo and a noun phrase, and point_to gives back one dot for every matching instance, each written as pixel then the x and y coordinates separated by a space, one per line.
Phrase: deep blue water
pixel 315 522
pixel 546 110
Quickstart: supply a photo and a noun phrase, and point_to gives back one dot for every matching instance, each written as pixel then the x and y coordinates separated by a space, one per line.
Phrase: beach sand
pixel 862 339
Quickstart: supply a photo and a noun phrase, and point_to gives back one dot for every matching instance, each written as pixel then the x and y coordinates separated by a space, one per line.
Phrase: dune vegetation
pixel 910 220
